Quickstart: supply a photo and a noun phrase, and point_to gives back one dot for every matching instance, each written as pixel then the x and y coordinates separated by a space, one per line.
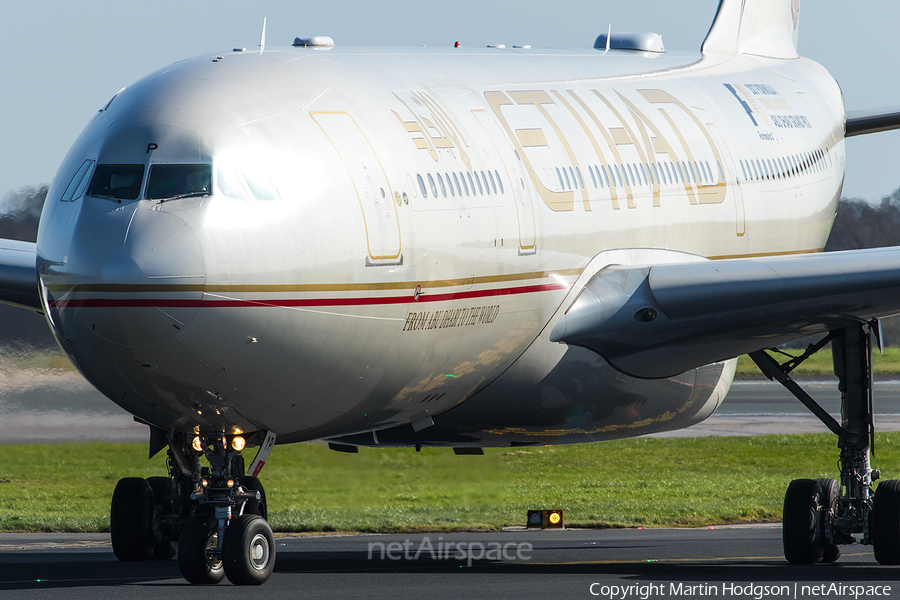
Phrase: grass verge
pixel 636 482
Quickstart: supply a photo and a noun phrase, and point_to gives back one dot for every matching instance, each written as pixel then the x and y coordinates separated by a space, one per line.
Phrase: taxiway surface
pixel 530 565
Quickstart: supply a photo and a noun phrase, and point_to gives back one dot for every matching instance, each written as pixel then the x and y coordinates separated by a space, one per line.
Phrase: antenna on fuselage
pixel 262 37
pixel 608 35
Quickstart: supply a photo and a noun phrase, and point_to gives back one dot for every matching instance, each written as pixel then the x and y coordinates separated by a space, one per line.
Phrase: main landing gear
pixel 215 517
pixel 820 515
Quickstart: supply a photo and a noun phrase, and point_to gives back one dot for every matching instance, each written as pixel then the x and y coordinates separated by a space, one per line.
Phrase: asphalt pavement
pixel 720 562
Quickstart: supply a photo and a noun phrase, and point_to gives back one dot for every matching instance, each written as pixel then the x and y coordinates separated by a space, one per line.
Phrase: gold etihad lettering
pixel 556 201
pixel 640 133
pixel 711 194
pixel 538 99
pixel 436 130
pixel 531 138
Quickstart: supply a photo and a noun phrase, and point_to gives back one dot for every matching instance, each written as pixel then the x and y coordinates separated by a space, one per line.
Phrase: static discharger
pixel 546 519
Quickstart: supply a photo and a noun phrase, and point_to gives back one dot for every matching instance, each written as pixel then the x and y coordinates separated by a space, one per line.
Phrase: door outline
pixel 523 206
pixel 731 174
pixel 375 216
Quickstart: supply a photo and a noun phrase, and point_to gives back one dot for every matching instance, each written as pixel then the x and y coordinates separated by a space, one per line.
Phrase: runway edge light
pixel 546 519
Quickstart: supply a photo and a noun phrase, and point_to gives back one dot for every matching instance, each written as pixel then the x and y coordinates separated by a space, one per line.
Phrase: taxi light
pixel 204 482
pixel 230 483
pixel 238 443
pixel 546 519
pixel 197 444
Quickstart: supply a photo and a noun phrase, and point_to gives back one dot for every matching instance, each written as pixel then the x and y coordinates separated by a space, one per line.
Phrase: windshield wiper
pixel 200 194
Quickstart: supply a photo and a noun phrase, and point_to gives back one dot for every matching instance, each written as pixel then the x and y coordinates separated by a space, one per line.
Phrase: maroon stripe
pixel 173 303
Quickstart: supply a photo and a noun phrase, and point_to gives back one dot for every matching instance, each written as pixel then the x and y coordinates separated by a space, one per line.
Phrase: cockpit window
pixel 79 181
pixel 122 182
pixel 178 181
pixel 245 181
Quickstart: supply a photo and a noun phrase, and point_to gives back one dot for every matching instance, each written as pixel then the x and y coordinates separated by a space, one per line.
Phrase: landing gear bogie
pixel 820 515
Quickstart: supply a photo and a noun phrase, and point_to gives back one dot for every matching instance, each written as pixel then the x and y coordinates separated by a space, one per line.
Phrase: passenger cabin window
pixel 120 182
pixel 450 185
pixel 499 181
pixel 178 181
pixel 432 185
pixel 484 179
pixel 422 185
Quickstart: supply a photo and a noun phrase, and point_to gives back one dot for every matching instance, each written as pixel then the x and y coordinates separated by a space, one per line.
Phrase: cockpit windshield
pixel 178 181
pixel 122 182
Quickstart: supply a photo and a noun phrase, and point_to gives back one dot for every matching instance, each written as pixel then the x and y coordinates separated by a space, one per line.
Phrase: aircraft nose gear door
pixel 372 188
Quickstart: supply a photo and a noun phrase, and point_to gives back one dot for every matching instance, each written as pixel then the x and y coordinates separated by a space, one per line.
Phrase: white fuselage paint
pixel 356 302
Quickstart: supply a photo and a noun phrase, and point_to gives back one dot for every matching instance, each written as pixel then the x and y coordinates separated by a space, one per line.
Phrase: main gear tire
pixel 197 562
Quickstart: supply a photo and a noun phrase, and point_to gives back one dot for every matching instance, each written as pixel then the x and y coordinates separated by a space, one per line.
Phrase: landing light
pixel 230 483
pixel 197 444
pixel 238 443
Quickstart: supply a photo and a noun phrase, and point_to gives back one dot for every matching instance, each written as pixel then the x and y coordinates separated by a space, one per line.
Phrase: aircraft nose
pixel 135 274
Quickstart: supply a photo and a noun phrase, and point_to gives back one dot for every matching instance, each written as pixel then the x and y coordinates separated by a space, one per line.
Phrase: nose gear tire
pixel 248 551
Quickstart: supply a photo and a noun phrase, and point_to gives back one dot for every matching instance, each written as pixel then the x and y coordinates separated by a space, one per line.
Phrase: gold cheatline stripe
pixel 313 287
pixel 766 254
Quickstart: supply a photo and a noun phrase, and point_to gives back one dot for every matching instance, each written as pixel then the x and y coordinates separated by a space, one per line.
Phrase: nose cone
pixel 131 274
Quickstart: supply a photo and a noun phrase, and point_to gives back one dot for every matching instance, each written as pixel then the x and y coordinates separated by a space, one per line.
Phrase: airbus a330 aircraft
pixel 465 248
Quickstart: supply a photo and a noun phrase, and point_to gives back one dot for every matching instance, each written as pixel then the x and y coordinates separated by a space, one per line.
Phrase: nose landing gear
pixel 216 515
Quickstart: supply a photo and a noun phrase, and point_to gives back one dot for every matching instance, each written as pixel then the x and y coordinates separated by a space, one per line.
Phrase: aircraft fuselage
pixel 387 234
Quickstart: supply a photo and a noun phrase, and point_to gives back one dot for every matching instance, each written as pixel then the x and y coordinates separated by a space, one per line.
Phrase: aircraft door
pixel 524 209
pixel 370 182
pixel 731 180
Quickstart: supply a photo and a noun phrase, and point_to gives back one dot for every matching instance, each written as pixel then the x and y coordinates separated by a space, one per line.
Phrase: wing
pixel 860 122
pixel 658 321
pixel 18 274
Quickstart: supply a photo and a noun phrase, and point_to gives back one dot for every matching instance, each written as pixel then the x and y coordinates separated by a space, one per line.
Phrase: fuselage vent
pixel 641 42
